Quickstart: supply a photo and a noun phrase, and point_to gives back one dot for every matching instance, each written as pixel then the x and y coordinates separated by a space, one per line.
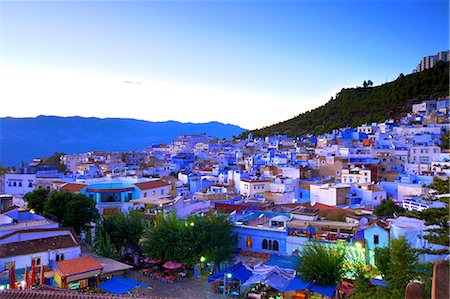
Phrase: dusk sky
pixel 247 63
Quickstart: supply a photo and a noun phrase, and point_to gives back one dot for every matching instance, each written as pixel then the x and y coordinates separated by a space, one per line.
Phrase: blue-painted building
pixel 376 236
pixel 262 232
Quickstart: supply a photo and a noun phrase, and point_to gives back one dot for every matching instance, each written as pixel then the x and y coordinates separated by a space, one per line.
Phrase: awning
pixel 120 285
pixel 172 265
pixel 282 261
pixel 111 266
pixel 326 290
pixel 334 224
pixel 298 284
pixel 276 277
pixel 152 201
pixel 238 271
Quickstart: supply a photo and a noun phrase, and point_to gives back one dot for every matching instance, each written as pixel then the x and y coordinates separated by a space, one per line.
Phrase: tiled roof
pixel 72 187
pixel 151 185
pixel 47 292
pixel 78 265
pixel 37 245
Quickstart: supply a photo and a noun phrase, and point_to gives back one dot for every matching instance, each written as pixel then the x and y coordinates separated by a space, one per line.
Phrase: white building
pixel 18 184
pixel 329 194
pixel 424 154
pixel 40 245
pixel 356 175
pixel 249 187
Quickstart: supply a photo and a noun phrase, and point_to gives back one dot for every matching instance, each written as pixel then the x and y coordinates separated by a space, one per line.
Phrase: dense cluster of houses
pixel 280 192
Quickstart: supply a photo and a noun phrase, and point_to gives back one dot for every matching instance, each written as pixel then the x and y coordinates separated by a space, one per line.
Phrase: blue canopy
pixel 326 290
pixel 120 285
pixel 288 262
pixel 298 284
pixel 238 271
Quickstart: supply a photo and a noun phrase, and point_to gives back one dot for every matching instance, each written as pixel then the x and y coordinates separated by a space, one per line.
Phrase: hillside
pixel 355 106
pixel 22 139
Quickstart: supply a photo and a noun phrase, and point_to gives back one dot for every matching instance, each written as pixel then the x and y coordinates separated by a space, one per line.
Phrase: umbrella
pixel 12 277
pixel 42 275
pixel 26 276
pixel 147 260
pixel 172 265
pixel 33 273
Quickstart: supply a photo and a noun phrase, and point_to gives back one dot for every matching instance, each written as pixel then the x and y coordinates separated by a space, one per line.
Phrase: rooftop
pixel 151 185
pixel 73 187
pixel 78 266
pixel 37 245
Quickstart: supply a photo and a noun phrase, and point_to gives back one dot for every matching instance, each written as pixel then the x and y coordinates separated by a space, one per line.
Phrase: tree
pixel 215 237
pixel 55 160
pixel 36 199
pixel 73 210
pixel 103 245
pixel 124 230
pixel 168 240
pixel 397 264
pixel 387 208
pixel 369 83
pixel 365 84
pixel 382 259
pixel 445 140
pixel 436 217
pixel 323 263
pixel 441 186
pixel 187 241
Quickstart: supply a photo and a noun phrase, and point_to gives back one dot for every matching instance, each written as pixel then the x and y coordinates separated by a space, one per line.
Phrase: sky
pixel 249 63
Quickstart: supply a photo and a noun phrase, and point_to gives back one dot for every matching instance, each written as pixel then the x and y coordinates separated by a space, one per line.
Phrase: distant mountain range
pixel 22 139
pixel 355 106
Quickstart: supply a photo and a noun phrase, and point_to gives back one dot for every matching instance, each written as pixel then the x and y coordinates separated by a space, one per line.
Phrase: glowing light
pixel 229 275
pixel 192 223
pixel 202 259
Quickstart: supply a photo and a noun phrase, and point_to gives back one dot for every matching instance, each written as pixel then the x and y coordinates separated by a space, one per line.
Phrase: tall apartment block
pixel 429 61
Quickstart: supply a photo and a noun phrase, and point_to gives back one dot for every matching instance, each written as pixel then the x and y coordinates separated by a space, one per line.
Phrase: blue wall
pixel 257 236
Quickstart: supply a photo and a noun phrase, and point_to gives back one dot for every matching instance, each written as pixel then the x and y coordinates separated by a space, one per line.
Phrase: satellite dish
pixel 363 221
pixel 312 202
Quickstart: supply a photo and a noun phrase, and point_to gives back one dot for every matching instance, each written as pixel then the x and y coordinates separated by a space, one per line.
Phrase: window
pixel 145 194
pixel 60 257
pixel 130 196
pixel 153 192
pixel 376 239
pixel 249 242
pixel 20 184
pixel 14 184
pixel 91 196
pixel 30 184
pixel 162 191
pixel 275 246
pixel 265 244
pixel 37 261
